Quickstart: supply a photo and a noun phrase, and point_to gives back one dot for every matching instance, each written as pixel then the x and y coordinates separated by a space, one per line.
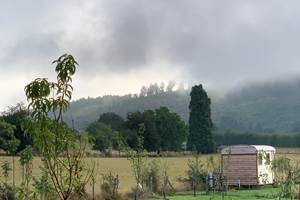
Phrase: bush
pixel 7 192
pixel 296 192
pixel 110 186
pixel 196 174
pixel 43 187
pixel 151 177
pixel 79 193
pixel 287 177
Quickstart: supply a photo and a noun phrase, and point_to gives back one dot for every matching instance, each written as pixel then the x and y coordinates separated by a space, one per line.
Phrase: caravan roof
pixel 246 149
pixel 264 148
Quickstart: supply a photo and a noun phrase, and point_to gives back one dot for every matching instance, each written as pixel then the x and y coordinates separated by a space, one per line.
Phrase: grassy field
pixel 253 194
pixel 121 166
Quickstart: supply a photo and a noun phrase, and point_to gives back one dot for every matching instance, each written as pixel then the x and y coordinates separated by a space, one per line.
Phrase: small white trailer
pixel 248 165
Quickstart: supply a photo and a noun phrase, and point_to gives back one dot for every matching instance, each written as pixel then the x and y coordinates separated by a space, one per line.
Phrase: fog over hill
pixel 262 107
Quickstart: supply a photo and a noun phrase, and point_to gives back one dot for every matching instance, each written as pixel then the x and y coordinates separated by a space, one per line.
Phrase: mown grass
pixel 245 194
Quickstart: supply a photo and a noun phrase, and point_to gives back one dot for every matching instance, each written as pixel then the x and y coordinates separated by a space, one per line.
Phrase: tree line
pixel 278 140
pixel 160 129
pixel 155 89
pixel 112 131
pixel 12 136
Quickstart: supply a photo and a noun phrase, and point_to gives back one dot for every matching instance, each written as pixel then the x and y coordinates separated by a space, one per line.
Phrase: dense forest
pixel 158 130
pixel 262 108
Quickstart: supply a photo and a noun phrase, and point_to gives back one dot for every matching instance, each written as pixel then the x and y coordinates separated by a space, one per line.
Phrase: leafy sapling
pixel 137 159
pixel 62 149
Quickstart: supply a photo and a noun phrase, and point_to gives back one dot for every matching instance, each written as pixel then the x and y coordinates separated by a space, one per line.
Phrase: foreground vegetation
pixel 121 166
pixel 177 167
pixel 245 194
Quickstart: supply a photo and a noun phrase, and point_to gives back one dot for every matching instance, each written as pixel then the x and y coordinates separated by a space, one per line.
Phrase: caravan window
pixel 268 160
pixel 260 159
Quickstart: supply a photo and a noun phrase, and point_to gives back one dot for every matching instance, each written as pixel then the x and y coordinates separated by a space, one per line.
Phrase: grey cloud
pixel 216 41
pixel 35 48
pixel 130 40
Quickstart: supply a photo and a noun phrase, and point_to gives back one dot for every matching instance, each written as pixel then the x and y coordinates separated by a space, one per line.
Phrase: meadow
pixel 263 193
pixel 120 166
pixel 177 167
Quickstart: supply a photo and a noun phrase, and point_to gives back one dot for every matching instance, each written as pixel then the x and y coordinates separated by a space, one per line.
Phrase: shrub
pixel 212 165
pixel 79 193
pixel 6 170
pixel 151 177
pixel 43 187
pixel 196 174
pixel 287 177
pixel 7 192
pixel 24 190
pixel 296 192
pixel 110 186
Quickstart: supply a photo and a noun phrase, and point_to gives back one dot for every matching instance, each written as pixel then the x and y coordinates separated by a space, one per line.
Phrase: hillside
pixel 85 111
pixel 269 107
pixel 263 108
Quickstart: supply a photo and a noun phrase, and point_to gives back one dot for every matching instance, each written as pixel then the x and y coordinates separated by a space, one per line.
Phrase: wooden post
pixel 14 174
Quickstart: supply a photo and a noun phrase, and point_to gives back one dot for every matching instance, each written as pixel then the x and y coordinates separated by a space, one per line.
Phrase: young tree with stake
pixel 61 148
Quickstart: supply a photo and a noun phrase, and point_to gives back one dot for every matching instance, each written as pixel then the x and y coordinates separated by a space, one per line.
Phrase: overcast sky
pixel 124 44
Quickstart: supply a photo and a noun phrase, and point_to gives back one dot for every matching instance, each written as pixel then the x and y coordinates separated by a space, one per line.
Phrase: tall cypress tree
pixel 200 123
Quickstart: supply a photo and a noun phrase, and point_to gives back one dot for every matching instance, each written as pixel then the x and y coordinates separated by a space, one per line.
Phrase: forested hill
pixel 85 111
pixel 262 108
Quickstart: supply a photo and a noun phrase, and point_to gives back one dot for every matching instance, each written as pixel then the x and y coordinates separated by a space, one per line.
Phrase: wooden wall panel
pixel 240 167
